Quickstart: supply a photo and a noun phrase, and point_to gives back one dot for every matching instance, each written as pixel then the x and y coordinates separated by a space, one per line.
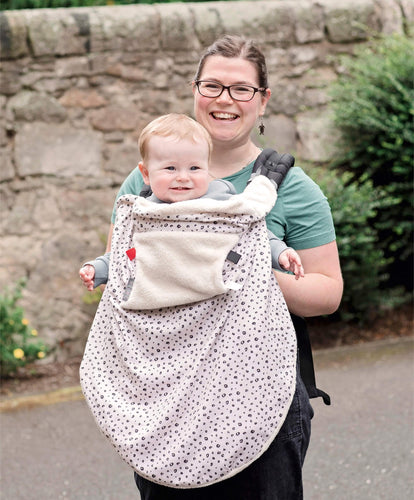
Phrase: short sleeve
pixel 302 215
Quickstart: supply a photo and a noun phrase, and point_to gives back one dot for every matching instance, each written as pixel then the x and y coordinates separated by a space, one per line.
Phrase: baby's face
pixel 176 170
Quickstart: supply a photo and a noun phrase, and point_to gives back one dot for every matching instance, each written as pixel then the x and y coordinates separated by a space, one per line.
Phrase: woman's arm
pixel 320 291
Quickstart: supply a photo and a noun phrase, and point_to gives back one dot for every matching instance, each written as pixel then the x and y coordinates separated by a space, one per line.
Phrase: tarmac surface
pixel 362 446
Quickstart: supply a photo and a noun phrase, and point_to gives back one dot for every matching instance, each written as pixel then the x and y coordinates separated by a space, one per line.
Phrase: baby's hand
pixel 87 274
pixel 290 261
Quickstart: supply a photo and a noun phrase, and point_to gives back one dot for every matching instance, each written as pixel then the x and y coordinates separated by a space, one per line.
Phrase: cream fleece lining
pixel 175 268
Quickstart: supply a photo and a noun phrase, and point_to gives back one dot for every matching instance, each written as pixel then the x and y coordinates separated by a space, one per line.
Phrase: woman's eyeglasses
pixel 237 92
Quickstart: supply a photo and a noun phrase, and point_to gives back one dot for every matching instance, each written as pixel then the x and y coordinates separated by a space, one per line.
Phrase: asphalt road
pixel 362 446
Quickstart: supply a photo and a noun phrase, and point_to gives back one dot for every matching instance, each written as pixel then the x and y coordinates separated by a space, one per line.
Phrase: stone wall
pixel 78 85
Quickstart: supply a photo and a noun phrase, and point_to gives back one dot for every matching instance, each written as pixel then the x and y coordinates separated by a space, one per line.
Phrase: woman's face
pixel 228 120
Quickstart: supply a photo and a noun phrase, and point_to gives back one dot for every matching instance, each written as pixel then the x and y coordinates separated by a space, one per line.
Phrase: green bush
pixel 373 101
pixel 43 4
pixel 363 263
pixel 18 343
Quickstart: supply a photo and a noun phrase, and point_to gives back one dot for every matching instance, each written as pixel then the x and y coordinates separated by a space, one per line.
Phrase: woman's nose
pixel 224 96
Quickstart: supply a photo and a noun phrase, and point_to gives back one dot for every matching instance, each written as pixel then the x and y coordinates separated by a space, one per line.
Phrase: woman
pixel 230 94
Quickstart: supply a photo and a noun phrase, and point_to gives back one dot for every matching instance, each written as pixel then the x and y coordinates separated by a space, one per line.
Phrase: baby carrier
pixel 190 364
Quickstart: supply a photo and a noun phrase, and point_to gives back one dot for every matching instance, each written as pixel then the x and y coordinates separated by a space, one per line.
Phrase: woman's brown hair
pixel 236 46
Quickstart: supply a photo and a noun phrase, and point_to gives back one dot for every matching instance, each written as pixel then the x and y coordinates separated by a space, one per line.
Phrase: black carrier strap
pixel 275 166
pixel 146 191
pixel 307 371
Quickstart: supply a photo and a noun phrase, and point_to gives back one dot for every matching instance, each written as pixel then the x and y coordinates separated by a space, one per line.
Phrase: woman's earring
pixel 261 126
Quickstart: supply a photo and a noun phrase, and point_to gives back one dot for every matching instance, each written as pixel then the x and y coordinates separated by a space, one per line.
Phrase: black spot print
pixel 190 395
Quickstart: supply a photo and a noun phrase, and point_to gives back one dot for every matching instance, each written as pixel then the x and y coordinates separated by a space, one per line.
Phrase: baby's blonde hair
pixel 173 125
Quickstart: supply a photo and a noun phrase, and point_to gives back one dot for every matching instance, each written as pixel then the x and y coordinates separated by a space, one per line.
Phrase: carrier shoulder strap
pixel 146 191
pixel 273 165
pixel 307 370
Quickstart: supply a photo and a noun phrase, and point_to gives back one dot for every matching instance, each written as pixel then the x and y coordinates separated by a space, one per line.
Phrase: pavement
pixel 362 446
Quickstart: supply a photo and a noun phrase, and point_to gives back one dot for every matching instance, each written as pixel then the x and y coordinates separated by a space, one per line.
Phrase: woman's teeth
pixel 224 116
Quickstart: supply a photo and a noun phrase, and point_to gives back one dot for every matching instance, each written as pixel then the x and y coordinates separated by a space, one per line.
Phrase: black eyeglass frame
pixel 228 88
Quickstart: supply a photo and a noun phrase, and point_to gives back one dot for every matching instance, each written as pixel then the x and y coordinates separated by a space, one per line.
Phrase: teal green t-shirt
pixel 301 215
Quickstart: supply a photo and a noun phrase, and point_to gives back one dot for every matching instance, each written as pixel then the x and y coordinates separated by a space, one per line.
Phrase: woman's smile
pixel 220 115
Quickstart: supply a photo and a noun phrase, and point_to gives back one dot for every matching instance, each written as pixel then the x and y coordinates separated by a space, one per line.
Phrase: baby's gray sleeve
pixel 101 265
pixel 277 246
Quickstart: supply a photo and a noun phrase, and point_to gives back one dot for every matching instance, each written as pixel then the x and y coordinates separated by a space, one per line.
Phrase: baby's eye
pixel 194 167
pixel 170 168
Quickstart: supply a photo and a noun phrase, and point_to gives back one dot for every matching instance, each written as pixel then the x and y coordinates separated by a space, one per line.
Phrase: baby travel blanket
pixel 190 371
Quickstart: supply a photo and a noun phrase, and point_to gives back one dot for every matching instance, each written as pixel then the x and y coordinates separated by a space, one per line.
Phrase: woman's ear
pixel 144 171
pixel 265 99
